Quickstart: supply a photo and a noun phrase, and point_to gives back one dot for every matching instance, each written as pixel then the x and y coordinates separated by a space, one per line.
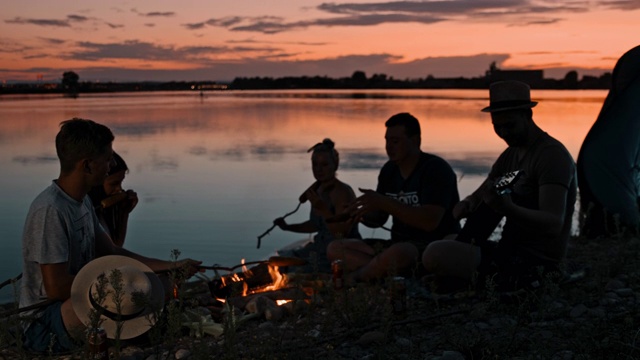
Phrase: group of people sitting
pixel 73 232
pixel 419 191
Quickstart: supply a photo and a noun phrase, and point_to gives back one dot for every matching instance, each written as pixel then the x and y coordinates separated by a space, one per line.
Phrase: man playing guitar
pixel 538 207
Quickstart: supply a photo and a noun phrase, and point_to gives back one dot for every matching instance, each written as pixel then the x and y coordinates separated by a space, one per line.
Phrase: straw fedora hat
pixel 136 316
pixel 509 95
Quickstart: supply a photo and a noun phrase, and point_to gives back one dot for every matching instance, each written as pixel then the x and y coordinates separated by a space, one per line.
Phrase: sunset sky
pixel 221 40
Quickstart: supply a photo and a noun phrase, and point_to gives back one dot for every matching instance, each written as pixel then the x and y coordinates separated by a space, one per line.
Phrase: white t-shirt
pixel 58 229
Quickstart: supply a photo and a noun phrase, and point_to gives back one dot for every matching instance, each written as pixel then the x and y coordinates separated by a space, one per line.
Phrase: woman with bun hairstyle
pixel 329 197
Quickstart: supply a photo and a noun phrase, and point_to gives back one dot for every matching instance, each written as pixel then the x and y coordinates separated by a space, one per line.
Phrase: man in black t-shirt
pixel 417 189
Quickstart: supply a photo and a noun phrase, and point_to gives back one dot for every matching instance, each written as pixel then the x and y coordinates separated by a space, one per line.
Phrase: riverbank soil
pixel 593 315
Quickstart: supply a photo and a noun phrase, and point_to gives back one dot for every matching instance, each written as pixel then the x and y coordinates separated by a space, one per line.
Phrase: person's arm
pixel 123 211
pixel 555 171
pixel 47 238
pixel 470 203
pixel 341 197
pixel 121 230
pixel 425 217
pixel 105 246
pixel 374 218
pixel 552 200
pixel 319 205
pixel 304 228
pixel 57 281
pixel 437 192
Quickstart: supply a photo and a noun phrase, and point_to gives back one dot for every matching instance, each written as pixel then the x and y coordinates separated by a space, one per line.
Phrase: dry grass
pixel 359 322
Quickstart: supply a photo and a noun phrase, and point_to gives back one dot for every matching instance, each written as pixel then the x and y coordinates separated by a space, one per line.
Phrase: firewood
pixel 280 294
pixel 273 313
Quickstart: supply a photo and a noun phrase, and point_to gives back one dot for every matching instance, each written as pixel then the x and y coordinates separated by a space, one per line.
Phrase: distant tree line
pixel 359 80
pixel 71 85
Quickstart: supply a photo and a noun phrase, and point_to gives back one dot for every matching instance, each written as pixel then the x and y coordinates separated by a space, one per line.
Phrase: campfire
pixel 261 289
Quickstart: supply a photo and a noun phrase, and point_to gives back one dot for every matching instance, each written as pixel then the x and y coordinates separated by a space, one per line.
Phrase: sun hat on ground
pixel 509 95
pixel 141 301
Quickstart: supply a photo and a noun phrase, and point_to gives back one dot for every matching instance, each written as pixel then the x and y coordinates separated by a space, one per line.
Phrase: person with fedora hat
pixel 537 207
pixel 62 236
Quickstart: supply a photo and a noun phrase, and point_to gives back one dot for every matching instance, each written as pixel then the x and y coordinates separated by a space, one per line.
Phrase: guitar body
pixel 484 220
pixel 479 225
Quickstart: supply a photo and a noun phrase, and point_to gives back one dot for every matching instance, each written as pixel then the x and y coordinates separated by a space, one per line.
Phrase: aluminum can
pixel 337 268
pixel 98 347
pixel 398 295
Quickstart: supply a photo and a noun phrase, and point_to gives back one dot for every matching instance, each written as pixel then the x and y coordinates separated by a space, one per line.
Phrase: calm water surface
pixel 213 171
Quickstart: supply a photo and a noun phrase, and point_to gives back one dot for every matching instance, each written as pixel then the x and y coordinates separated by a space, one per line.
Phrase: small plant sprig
pixel 230 323
pixel 100 295
pixel 117 284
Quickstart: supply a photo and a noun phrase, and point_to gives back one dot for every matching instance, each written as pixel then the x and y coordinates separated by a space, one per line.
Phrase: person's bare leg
pixel 354 253
pixel 74 326
pixel 451 258
pixel 396 258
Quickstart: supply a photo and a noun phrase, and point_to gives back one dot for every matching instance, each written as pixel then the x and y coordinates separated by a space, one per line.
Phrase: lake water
pixel 213 171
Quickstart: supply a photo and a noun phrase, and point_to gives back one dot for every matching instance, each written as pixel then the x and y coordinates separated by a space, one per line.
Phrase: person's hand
pixel 463 209
pixel 189 267
pixel 303 198
pixel 279 222
pixel 317 203
pixel 367 202
pixel 132 200
pixel 499 203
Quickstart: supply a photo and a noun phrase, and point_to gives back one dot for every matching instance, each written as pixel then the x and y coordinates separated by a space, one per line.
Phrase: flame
pixel 279 280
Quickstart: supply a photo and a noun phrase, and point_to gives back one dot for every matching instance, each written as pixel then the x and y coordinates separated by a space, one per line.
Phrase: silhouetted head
pixel 402 138
pixel 410 123
pixel 514 126
pixel 118 164
pixel 84 140
pixel 324 160
pixel 509 95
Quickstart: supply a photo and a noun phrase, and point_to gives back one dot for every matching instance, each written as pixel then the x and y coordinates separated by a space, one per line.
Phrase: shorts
pixel 47 333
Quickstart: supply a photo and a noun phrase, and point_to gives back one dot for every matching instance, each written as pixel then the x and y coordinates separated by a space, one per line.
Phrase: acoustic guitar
pixel 483 221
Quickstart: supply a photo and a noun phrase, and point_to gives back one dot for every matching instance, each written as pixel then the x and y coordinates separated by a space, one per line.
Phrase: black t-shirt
pixel 547 161
pixel 432 182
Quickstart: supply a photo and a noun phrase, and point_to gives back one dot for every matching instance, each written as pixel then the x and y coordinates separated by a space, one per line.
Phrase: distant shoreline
pixel 358 81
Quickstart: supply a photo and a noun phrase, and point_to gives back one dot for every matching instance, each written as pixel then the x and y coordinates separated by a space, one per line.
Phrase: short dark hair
pixel 120 165
pixel 410 123
pixel 79 139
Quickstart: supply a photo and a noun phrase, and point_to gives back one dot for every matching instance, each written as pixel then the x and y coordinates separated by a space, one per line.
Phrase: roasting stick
pixel 301 200
pixel 274 225
pixel 274 261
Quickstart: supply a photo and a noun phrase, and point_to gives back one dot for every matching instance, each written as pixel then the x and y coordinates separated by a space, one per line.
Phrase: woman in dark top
pixel 328 197
pixel 112 203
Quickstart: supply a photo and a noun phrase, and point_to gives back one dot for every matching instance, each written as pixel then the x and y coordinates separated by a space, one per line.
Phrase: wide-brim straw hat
pixel 138 313
pixel 509 95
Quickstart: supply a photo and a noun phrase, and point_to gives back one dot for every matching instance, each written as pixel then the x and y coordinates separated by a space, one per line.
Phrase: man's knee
pixel 402 254
pixel 335 249
pixel 432 254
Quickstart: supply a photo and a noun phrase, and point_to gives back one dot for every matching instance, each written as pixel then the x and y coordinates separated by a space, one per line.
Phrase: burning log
pixel 261 290
pixel 273 313
pixel 291 294
pixel 242 282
